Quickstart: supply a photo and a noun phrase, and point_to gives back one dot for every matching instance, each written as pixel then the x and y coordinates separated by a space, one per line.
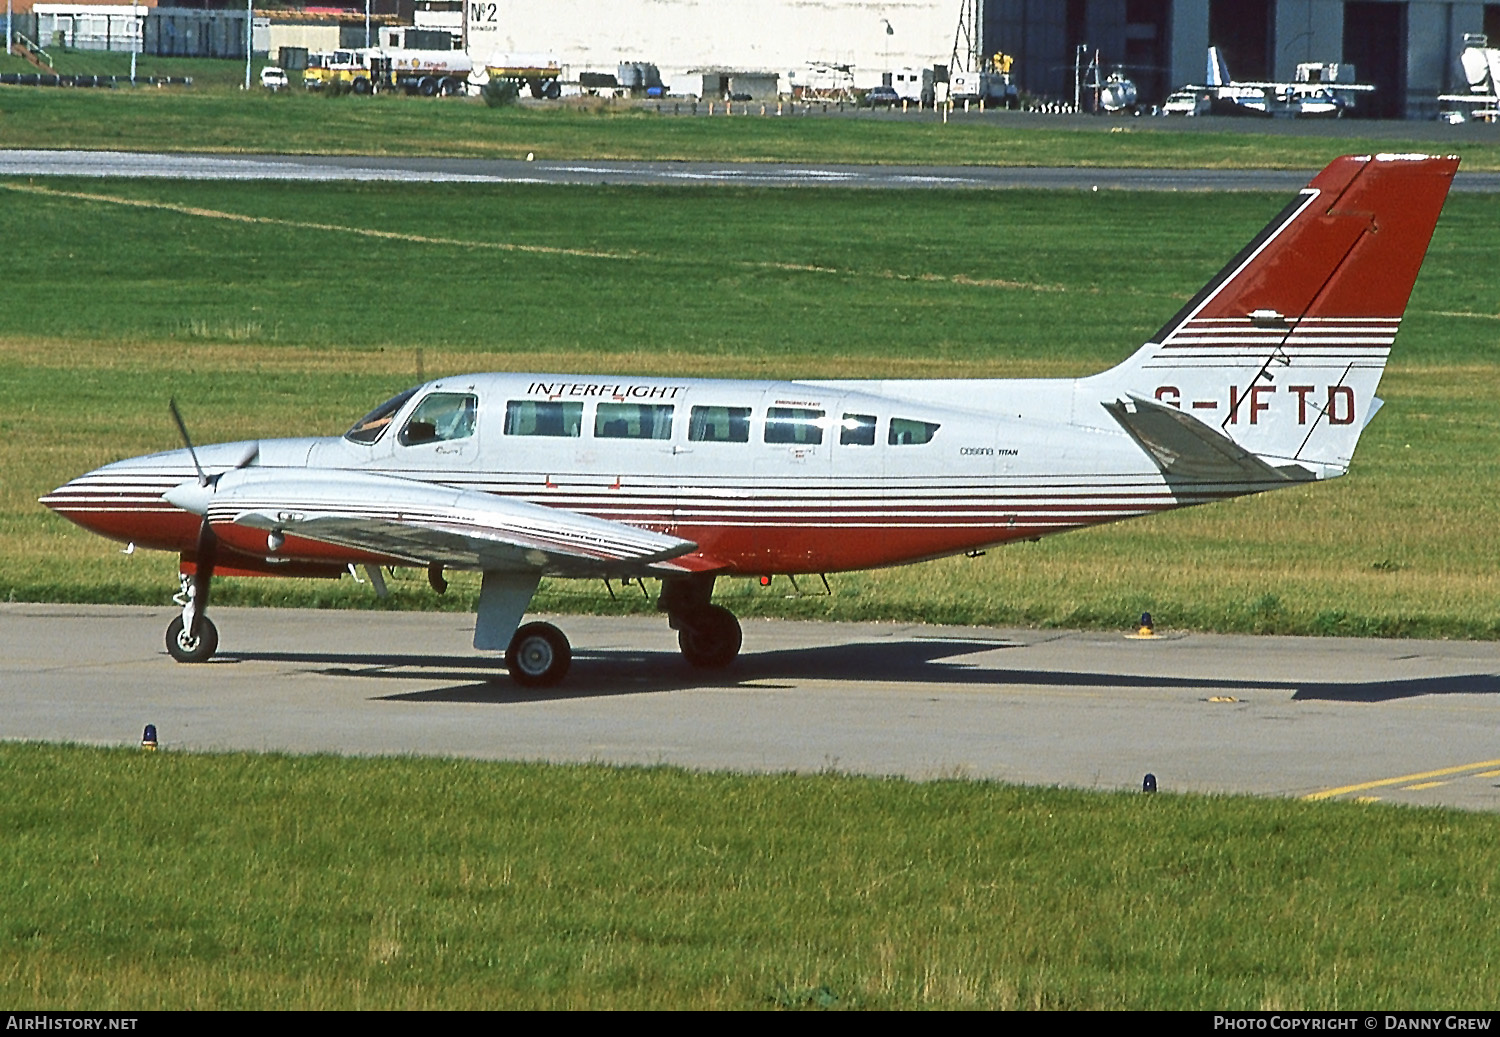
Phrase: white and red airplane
pixel 1265 379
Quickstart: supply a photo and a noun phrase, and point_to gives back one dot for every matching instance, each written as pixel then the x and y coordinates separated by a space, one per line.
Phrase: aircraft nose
pixel 68 497
pixel 124 501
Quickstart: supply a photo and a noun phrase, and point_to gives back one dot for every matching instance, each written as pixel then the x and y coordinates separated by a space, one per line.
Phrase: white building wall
pixel 1434 37
pixel 1307 30
pixel 91 26
pixel 313 37
pixel 678 35
pixel 1189 41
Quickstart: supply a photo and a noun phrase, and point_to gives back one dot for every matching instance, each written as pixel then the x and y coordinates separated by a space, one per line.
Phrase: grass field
pixel 206 73
pixel 220 117
pixel 278 309
pixel 165 881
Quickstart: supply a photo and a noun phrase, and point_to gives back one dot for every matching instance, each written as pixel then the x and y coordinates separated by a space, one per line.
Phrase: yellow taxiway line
pixel 1383 782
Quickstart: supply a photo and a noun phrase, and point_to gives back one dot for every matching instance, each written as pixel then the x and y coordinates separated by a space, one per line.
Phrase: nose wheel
pixel 185 648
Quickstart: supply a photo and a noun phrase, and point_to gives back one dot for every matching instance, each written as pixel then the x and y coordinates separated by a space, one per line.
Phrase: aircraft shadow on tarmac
pixel 599 674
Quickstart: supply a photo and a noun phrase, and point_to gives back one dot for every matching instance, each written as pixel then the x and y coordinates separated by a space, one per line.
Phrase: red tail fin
pixel 1349 246
pixel 1282 351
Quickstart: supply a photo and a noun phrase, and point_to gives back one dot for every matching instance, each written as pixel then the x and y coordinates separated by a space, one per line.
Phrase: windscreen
pixel 373 425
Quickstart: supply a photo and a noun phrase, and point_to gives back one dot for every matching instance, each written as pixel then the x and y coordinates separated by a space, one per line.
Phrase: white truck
pixel 429 69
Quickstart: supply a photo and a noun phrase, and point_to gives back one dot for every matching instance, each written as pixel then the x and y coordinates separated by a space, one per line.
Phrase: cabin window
pixel 857 430
pixel 798 425
pixel 719 425
pixel 441 416
pixel 543 418
pixel 633 421
pixel 372 426
pixel 909 432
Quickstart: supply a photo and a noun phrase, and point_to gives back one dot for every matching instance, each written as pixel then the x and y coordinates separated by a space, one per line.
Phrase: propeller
pixel 206 552
pixel 187 439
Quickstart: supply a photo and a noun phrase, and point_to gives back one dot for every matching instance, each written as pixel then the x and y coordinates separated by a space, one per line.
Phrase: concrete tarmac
pixel 1414 722
pixel 744 174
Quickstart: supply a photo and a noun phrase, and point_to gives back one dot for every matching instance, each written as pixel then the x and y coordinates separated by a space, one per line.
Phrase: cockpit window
pixel 372 426
pixel 441 416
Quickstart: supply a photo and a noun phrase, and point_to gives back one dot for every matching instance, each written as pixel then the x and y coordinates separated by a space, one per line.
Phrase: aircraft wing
pixel 1306 88
pixel 1185 448
pixel 418 523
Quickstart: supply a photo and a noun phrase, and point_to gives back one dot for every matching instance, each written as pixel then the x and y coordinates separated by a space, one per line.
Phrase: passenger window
pixel 441 416
pixel 543 418
pixel 798 425
pixel 907 432
pixel 857 430
pixel 719 425
pixel 633 421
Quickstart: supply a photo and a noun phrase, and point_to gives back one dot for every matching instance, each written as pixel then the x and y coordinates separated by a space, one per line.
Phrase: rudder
pixel 1283 350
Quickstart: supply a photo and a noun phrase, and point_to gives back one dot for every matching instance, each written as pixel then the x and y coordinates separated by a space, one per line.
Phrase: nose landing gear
pixel 192 636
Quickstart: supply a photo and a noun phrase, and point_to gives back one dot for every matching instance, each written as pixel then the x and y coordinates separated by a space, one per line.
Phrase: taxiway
pixel 745 174
pixel 1409 722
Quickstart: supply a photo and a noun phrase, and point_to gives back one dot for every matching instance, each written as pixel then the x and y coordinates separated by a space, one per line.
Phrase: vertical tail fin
pixel 1217 73
pixel 1282 351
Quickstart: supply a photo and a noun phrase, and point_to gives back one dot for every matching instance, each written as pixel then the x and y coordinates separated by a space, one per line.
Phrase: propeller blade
pixel 182 428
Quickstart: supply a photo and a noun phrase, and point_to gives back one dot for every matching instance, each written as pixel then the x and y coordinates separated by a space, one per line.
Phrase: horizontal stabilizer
pixel 1185 448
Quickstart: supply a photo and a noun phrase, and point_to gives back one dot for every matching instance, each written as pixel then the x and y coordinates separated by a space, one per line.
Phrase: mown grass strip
pixel 141 881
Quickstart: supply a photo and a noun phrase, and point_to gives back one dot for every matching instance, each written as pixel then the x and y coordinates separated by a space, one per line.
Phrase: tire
pixel 427 87
pixel 361 86
pixel 187 650
pixel 553 90
pixel 710 639
pixel 539 656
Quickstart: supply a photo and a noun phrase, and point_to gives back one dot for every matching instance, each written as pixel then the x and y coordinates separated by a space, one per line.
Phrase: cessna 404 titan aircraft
pixel 1265 379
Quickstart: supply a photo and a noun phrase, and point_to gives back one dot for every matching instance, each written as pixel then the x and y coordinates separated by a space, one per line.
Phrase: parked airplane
pixel 1265 379
pixel 1481 68
pixel 1320 91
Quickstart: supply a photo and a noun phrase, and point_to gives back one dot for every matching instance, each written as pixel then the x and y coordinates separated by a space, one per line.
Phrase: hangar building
pixel 1406 48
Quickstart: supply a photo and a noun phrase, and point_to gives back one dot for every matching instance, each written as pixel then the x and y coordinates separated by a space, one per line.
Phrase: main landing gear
pixel 708 635
pixel 539 655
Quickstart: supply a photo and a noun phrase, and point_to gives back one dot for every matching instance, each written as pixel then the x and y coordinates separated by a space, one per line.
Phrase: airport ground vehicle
pixel 394 65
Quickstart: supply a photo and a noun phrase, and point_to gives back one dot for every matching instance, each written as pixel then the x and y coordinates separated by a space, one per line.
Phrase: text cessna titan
pixel 1266 378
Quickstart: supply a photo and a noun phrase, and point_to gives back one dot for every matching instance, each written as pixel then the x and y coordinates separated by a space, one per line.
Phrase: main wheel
pixel 187 649
pixel 538 656
pixel 710 638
